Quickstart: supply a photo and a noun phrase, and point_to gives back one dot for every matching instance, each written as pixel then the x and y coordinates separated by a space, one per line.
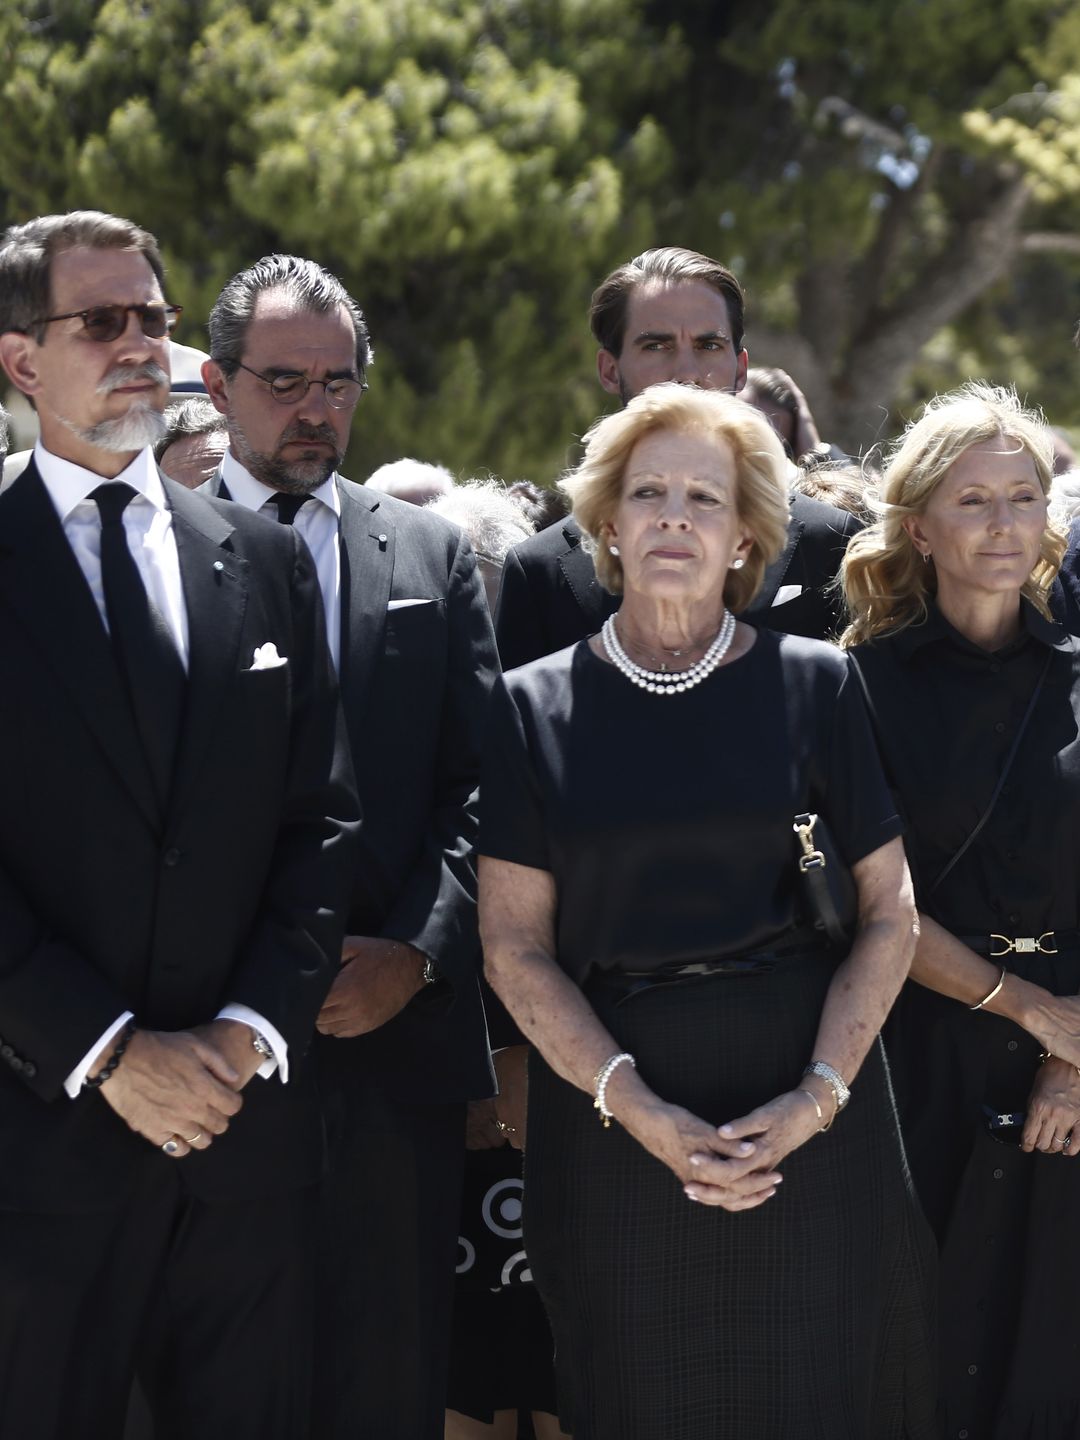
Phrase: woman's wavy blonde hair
pixel 887 585
pixel 761 471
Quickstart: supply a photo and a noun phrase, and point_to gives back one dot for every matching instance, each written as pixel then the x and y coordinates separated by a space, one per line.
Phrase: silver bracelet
pixel 600 1082
pixel 833 1079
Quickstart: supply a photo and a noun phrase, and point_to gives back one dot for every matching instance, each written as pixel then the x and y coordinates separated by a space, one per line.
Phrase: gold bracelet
pixel 987 998
pixel 820 1113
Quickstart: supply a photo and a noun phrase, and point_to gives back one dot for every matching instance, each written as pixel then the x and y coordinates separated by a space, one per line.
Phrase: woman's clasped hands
pixel 732 1166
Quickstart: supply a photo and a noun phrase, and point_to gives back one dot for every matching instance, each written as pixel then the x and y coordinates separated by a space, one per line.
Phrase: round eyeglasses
pixel 341 393
pixel 108 322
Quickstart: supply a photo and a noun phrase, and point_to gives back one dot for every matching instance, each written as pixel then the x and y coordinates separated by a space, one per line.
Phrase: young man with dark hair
pixel 668 314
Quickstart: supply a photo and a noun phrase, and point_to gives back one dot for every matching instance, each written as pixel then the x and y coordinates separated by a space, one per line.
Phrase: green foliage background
pixel 896 183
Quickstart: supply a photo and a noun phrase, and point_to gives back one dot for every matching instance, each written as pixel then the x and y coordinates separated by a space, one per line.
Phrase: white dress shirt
pixel 318 522
pixel 148 527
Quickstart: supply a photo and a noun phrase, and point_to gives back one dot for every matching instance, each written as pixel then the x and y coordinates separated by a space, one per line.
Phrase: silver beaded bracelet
pixel 834 1080
pixel 600 1082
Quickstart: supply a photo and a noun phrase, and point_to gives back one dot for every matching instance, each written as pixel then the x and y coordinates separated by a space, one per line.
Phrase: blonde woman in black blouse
pixel 975 696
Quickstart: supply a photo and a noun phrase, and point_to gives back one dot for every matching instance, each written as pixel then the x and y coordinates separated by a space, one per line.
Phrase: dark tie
pixel 142 642
pixel 288 505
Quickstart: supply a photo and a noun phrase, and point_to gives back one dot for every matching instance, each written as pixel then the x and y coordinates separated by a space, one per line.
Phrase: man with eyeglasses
pixel 402 1044
pixel 177 832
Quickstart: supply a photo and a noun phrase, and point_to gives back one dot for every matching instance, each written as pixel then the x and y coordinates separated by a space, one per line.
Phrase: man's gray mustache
pixel 129 374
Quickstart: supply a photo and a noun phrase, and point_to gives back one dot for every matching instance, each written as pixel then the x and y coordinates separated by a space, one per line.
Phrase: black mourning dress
pixel 667 824
pixel 1008 1223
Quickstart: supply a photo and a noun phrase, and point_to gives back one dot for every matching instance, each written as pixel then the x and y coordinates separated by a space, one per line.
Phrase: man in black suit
pixel 177 832
pixel 403 1044
pixel 668 314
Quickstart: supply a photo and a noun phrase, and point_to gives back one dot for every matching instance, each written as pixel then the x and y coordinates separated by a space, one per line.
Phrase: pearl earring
pixel 738 563
pixel 614 549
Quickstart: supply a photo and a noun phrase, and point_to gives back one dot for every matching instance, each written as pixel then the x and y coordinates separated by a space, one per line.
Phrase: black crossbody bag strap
pixel 985 816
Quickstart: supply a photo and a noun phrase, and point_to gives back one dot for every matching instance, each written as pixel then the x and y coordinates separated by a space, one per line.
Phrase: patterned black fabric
pixel 808 1318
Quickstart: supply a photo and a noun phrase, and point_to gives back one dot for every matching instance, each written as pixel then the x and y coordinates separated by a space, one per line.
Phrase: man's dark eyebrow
pixel 647 336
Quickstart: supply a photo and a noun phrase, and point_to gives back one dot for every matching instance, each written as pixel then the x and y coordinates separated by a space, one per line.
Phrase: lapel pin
pixel 382 542
pixel 218 566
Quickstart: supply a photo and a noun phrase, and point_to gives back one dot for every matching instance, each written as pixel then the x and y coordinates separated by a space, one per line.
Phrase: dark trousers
pixel 210 1303
pixel 388 1230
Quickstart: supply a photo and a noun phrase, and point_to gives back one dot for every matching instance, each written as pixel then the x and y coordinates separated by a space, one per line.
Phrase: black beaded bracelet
pixel 113 1060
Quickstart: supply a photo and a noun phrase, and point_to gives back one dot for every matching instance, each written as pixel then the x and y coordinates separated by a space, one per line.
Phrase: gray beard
pixel 300 477
pixel 142 425
pixel 296 477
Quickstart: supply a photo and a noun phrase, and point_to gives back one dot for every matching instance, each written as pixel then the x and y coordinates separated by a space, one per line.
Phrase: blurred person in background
pixel 416 481
pixel 491 520
pixel 195 439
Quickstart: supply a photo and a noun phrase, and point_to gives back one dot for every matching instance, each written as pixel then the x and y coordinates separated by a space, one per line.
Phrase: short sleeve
pixel 512 825
pixel 859 806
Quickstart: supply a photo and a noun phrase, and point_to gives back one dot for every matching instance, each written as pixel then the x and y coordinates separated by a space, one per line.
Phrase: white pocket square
pixel 786 593
pixel 401 604
pixel 266 657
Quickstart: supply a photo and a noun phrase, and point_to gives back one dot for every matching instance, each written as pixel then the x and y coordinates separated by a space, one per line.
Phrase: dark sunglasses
pixel 108 322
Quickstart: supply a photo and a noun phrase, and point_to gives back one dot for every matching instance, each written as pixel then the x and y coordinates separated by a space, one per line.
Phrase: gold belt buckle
pixel 1024 945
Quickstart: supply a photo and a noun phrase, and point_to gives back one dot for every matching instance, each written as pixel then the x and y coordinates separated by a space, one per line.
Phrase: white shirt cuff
pixel 74 1082
pixel 273 1038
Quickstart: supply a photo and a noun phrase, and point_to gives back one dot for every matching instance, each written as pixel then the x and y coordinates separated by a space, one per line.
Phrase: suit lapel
pixel 215 596
pixel 580 574
pixel 48 593
pixel 368 540
pixel 774 575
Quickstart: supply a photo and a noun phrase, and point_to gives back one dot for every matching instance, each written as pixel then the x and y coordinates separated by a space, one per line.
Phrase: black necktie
pixel 288 505
pixel 142 642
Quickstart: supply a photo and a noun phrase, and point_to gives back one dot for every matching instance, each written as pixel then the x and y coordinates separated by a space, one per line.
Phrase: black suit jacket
pixel 232 893
pixel 414 687
pixel 1065 595
pixel 550 597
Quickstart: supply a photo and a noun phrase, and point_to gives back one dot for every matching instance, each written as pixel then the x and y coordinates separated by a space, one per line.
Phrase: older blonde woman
pixel 641 918
pixel 976 699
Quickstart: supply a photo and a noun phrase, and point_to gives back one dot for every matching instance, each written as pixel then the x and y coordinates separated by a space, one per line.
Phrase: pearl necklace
pixel 668 682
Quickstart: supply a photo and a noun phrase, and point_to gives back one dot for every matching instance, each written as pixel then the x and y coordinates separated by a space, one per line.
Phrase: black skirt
pixel 810 1317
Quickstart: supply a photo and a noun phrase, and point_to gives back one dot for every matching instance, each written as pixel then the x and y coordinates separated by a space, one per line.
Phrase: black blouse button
pixel 997 1176
pixel 1014 919
pixel 973 1369
pixel 1012 1045
pixel 961 1435
pixel 999 728
pixel 171 857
